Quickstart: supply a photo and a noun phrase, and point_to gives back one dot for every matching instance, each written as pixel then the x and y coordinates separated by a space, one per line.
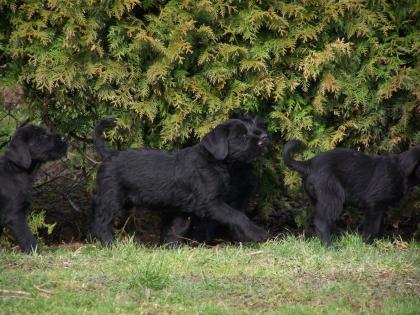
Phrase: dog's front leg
pixel 323 230
pixel 243 228
pixel 16 223
pixel 372 224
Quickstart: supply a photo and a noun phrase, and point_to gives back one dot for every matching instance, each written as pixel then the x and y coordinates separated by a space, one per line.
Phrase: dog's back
pixel 362 178
pixel 147 175
pixel 142 163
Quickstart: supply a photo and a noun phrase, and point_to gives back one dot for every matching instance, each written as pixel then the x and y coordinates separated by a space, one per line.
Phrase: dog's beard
pixel 56 155
pixel 247 155
pixel 61 148
pixel 57 150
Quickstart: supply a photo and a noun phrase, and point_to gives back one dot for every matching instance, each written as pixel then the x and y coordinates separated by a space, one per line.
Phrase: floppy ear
pixel 18 152
pixel 216 142
pixel 410 159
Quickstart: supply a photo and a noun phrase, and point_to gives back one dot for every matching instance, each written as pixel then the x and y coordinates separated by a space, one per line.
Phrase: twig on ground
pixel 4 291
pixel 39 288
pixel 196 242
pixel 7 297
pixel 125 223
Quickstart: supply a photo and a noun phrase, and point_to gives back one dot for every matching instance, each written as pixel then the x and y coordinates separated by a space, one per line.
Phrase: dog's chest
pixel 225 181
pixel 213 179
pixel 223 175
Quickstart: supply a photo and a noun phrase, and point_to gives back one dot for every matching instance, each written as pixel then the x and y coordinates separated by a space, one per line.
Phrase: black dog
pixel 242 187
pixel 194 180
pixel 29 148
pixel 344 176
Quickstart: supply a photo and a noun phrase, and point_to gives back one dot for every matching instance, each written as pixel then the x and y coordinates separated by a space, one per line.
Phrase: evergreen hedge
pixel 331 73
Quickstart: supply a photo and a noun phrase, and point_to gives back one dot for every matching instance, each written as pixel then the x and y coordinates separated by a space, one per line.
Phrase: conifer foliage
pixel 329 72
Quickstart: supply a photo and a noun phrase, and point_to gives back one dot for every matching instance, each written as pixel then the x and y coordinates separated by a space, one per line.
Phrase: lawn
pixel 286 276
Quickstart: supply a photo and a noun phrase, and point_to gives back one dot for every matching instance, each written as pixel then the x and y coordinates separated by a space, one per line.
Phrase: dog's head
pixel 241 140
pixel 410 163
pixel 35 144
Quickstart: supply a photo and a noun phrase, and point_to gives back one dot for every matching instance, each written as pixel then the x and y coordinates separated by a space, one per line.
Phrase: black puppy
pixel 242 187
pixel 29 148
pixel 341 176
pixel 194 180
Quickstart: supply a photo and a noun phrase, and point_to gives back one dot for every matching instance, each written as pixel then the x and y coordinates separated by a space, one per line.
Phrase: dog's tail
pixel 291 147
pixel 98 138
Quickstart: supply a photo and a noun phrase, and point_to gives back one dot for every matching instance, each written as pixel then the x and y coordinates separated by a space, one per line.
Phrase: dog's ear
pixel 18 152
pixel 216 142
pixel 409 160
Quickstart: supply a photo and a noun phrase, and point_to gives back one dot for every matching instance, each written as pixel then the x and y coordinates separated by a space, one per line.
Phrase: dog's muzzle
pixel 61 144
pixel 264 141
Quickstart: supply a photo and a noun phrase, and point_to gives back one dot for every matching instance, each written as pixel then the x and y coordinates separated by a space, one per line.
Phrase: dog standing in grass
pixel 341 176
pixel 194 180
pixel 29 148
pixel 242 188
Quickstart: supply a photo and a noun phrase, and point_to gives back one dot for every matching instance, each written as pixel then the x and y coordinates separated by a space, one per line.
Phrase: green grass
pixel 289 276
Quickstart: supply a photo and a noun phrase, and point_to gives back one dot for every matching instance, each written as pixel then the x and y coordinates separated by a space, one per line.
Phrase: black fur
pixel 343 177
pixel 29 148
pixel 193 181
pixel 242 188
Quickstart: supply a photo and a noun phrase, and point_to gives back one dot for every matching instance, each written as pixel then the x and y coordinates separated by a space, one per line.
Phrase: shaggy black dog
pixel 29 148
pixel 194 180
pixel 341 176
pixel 242 187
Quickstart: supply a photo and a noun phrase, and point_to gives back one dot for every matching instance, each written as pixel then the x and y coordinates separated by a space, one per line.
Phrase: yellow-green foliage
pixel 36 221
pixel 332 73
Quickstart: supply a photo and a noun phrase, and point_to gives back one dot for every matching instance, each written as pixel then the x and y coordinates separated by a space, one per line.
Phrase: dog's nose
pixel 264 140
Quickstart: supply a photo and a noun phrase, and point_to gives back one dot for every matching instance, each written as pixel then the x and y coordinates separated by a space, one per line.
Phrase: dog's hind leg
pixel 16 223
pixel 106 203
pixel 328 207
pixel 174 228
pixel 372 223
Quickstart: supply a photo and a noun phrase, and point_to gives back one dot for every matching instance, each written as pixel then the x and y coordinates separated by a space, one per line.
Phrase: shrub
pixel 332 73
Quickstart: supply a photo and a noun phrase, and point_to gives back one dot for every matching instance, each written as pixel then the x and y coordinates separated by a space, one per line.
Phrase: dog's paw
pixel 257 234
pixel 107 242
pixel 251 233
pixel 30 247
pixel 104 235
pixel 106 239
